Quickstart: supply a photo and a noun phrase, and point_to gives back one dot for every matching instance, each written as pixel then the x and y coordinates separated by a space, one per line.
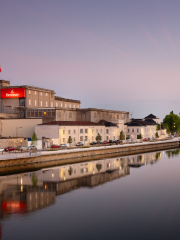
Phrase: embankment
pixel 47 158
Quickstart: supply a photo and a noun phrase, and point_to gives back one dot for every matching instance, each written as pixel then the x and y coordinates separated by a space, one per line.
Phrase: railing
pixel 5 156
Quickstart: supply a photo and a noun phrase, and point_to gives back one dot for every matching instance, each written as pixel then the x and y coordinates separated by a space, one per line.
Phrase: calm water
pixel 135 197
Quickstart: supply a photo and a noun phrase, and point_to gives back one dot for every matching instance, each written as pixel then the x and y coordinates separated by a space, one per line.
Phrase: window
pixel 41 93
pixel 65 105
pixel 86 130
pixel 29 101
pixel 107 131
pixel 46 104
pixel 82 170
pixel 46 94
pixel 41 103
pixel 51 104
pixel 69 131
pixel 63 132
pixel 118 116
pixel 61 104
pixel 86 138
pixel 81 130
pixel 56 104
pixel 107 138
pixel 29 91
pixel 35 103
pixel 101 131
pixel 92 131
pixel 133 130
pixel 70 115
pixel 74 131
pixel 114 138
pixel 92 138
pixel 35 92
pixel 63 139
pixel 128 130
pixel 96 130
pixel 81 138
pixel 74 171
pixel 74 139
pixel 137 130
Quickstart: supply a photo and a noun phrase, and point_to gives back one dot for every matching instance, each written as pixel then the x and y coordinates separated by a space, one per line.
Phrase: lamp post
pixel 17 131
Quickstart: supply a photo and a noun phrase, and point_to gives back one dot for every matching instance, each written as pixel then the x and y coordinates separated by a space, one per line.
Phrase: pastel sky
pixel 110 54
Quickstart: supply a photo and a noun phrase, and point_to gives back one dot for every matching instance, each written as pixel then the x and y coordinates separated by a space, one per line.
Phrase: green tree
pixel 98 166
pixel 70 171
pixel 122 136
pixel 157 136
pixel 139 136
pixel 69 140
pixel 98 137
pixel 172 122
pixel 34 139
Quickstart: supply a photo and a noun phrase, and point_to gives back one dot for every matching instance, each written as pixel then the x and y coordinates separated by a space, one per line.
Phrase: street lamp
pixel 17 131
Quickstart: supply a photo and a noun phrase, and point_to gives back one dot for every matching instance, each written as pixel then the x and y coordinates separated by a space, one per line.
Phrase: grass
pixel 85 147
pixel 52 149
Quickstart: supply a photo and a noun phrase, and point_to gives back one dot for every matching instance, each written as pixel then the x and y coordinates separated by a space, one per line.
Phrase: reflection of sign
pixel 13 207
pixel 13 93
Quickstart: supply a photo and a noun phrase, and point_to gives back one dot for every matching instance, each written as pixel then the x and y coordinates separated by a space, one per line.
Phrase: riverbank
pixel 47 158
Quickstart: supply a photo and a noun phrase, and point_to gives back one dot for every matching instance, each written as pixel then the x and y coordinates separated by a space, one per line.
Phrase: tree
pixel 122 136
pixel 70 171
pixel 172 122
pixel 69 140
pixel 34 139
pixel 98 137
pixel 139 136
pixel 157 136
pixel 34 180
pixel 98 166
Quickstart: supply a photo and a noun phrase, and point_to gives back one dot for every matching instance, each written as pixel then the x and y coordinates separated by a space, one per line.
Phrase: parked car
pixel 1 149
pixel 145 139
pixel 64 145
pixel 23 148
pixel 128 140
pixel 113 141
pixel 55 146
pixel 110 141
pixel 93 143
pixel 100 142
pixel 9 149
pixel 118 141
pixel 105 142
pixel 32 147
pixel 79 144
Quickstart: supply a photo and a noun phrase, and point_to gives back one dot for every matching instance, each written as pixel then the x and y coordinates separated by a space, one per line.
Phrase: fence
pixel 5 156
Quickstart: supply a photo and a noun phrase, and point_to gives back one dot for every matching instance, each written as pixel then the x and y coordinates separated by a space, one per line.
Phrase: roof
pixel 107 124
pixel 151 121
pixel 72 123
pixel 151 116
pixel 139 123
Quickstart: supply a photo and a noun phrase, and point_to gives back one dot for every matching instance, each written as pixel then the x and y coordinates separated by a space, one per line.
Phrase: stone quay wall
pixel 13 142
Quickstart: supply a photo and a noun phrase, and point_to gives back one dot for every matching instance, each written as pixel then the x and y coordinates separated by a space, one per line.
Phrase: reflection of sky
pixel 142 205
pixel 117 50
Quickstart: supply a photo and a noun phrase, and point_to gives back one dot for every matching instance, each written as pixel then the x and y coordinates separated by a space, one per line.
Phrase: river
pixel 131 197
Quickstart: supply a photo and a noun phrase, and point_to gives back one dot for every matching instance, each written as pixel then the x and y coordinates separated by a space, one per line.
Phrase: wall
pixel 47 131
pixel 39 144
pixel 13 142
pixel 11 127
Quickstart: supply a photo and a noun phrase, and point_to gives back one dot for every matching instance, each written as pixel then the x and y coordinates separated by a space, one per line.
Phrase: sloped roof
pixel 139 123
pixel 72 123
pixel 151 116
pixel 107 124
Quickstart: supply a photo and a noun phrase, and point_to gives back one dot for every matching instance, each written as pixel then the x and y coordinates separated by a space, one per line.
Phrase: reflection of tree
pixel 173 153
pixel 34 180
pixel 70 171
pixel 139 158
pixel 98 166
pixel 158 155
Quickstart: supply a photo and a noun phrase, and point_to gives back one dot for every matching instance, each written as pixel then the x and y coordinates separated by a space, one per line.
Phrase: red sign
pixel 13 93
pixel 13 207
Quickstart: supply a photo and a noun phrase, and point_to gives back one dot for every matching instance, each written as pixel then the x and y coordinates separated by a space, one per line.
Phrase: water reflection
pixel 23 193
pixel 173 153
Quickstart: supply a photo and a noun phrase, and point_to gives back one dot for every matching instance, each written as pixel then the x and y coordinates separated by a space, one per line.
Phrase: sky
pixel 110 54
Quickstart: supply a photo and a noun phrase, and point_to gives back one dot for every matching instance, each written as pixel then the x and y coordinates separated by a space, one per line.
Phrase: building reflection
pixel 27 192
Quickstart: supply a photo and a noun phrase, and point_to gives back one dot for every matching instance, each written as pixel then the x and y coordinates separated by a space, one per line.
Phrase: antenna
pixel 131 114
